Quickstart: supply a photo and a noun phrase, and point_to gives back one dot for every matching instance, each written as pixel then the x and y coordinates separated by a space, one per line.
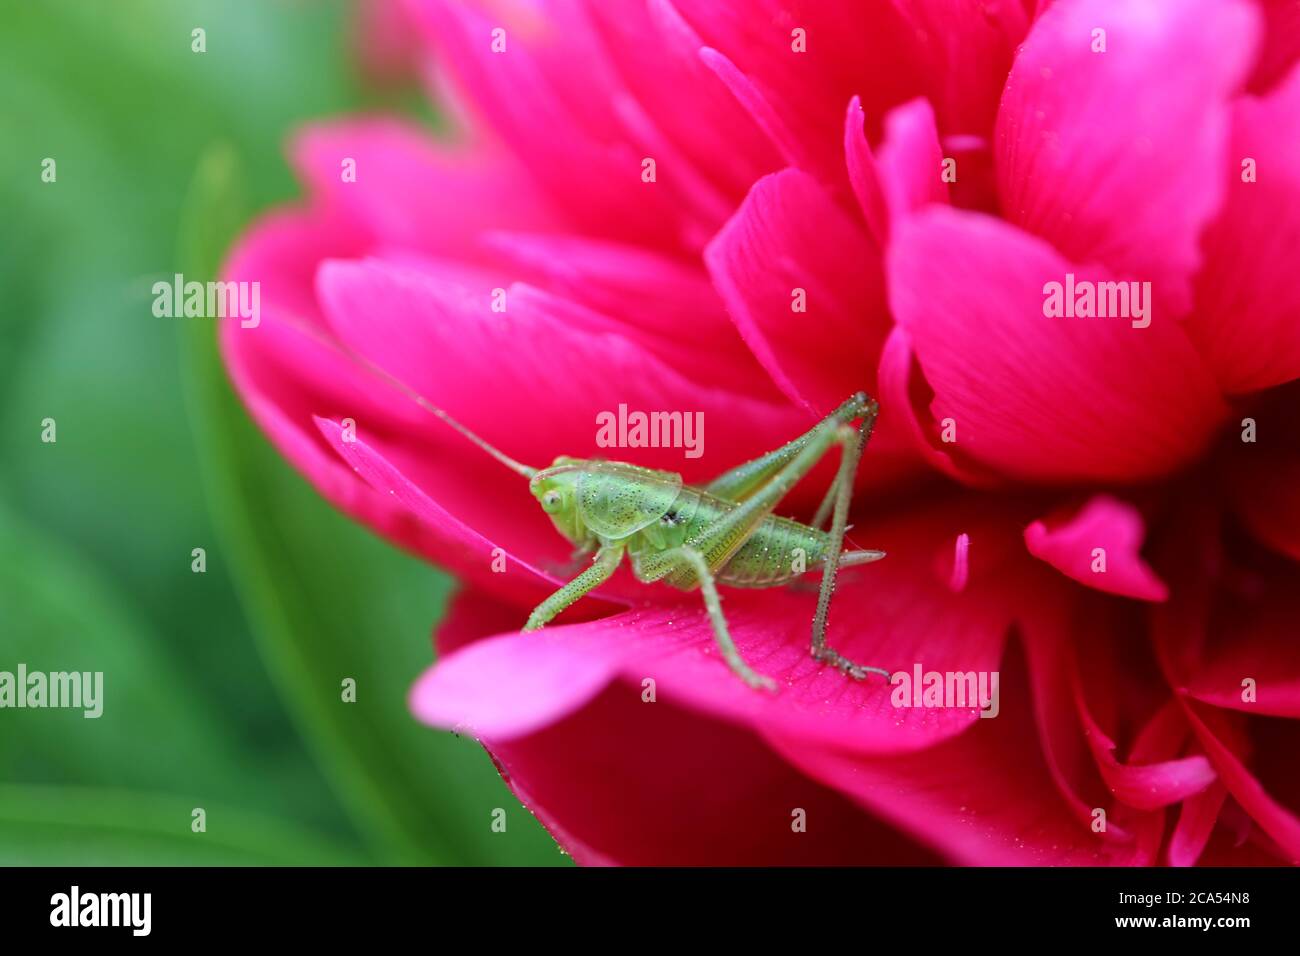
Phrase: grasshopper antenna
pixel 306 328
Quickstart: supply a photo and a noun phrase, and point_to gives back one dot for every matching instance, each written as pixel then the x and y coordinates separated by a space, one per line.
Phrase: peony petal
pixel 575 145
pixel 410 191
pixel 1247 319
pixel 287 372
pixel 1144 782
pixel 656 54
pixel 803 285
pixel 796 96
pixel 472 614
pixel 1117 157
pixel 910 161
pixel 534 680
pixel 1050 635
pixel 601 779
pixel 780 137
pixel 1185 632
pixel 1217 736
pixel 967 46
pixel 1262 490
pixel 617 753
pixel 904 392
pixel 1116 528
pixel 789 247
pixel 669 307
pixel 1259 466
pixel 633 760
pixel 902 613
pixel 1122 695
pixel 285 375
pixel 863 176
pixel 533 378
pixel 462 546
pixel 1236 841
pixel 1250 662
pixel 1196 822
pixel 906 172
pixel 1227 637
pixel 1274 743
pixel 1281 45
pixel 956 796
pixel 1189 551
pixel 1038 397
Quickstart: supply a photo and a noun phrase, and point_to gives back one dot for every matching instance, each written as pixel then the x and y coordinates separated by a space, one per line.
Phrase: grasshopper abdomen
pixel 777 551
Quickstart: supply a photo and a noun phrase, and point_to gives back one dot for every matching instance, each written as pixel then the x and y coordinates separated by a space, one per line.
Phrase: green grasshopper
pixel 699 537
pixel 688 536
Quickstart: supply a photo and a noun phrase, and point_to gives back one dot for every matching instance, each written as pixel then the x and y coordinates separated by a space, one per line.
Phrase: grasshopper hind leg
pixel 853 441
pixel 721 634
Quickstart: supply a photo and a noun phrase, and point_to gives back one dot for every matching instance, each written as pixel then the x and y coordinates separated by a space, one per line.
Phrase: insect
pixel 697 537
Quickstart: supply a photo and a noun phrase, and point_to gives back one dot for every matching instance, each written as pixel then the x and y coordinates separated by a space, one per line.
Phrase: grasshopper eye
pixel 551 501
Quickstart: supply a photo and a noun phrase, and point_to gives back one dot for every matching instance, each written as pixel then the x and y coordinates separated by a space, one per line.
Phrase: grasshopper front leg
pixel 604 565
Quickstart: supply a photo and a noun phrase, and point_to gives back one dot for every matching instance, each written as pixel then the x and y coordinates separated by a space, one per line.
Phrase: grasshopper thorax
pixel 606 500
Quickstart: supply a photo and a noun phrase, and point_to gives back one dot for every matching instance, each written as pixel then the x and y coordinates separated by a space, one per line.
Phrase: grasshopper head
pixel 604 500
pixel 556 490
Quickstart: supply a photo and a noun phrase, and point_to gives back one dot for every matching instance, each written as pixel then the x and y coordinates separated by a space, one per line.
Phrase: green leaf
pixel 125 107
pixel 56 615
pixel 331 602
pixel 153 731
pixel 66 826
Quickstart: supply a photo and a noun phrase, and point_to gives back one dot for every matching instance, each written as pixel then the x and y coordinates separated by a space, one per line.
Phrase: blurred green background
pixel 222 689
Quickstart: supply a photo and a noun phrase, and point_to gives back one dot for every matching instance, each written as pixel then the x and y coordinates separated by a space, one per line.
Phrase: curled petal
pixel 1144 783
pixel 1113 526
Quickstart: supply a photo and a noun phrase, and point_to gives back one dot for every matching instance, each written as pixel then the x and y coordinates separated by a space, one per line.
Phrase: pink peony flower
pixel 1104 512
